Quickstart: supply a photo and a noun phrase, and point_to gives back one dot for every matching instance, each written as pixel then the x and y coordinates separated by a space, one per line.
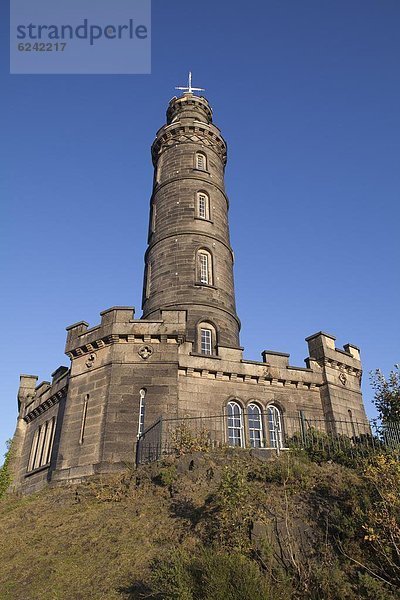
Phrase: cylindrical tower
pixel 189 260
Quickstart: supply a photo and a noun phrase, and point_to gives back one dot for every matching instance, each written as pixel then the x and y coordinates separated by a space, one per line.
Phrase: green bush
pixel 5 476
pixel 209 575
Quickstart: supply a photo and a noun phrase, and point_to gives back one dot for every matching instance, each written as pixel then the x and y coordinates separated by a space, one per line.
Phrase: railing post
pixel 159 452
pixel 137 457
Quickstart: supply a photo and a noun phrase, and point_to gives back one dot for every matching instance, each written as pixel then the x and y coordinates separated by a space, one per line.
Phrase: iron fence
pixel 276 432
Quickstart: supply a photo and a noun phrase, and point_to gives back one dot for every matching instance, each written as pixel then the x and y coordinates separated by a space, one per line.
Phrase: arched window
pixel 142 395
pixel 206 341
pixel 201 161
pixel 274 427
pixel 255 426
pixel 206 338
pixel 42 445
pixel 204 267
pixel 235 425
pixel 203 206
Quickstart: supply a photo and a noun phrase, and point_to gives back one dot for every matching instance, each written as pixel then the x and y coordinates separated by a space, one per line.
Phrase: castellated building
pixel 183 357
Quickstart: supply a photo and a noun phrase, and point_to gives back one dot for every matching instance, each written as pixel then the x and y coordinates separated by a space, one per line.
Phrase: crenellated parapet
pixel 341 373
pixel 119 327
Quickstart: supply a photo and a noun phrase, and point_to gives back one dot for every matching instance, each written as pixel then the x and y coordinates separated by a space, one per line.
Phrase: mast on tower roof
pixel 190 89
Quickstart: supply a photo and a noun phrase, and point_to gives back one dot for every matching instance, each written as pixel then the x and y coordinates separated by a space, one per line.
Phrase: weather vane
pixel 189 89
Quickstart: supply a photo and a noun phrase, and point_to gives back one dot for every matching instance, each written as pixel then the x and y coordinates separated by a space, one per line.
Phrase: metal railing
pixel 323 437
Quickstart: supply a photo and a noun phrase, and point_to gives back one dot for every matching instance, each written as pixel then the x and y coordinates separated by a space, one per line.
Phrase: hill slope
pixel 215 526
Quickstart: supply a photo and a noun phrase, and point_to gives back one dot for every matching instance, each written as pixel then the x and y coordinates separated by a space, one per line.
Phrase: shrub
pixel 183 439
pixel 5 475
pixel 209 575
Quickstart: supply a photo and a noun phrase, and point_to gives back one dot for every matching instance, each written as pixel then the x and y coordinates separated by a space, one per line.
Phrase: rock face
pixel 182 358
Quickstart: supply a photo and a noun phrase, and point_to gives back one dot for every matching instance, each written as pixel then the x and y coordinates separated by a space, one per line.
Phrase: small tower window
pixel 153 217
pixel 203 206
pixel 204 267
pixel 255 426
pixel 201 161
pixel 148 281
pixel 206 341
pixel 142 395
pixel 235 425
pixel 204 278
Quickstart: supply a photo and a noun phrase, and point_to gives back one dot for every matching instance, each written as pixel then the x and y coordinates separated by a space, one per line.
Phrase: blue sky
pixel 307 95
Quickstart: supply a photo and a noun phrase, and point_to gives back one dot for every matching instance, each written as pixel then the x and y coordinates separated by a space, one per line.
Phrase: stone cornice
pixel 122 338
pixel 264 380
pixel 190 175
pixel 341 366
pixel 179 133
pixel 208 304
pixel 46 404
pixel 189 232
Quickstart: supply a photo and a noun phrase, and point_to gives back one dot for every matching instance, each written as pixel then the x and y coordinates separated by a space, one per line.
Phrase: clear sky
pixel 307 95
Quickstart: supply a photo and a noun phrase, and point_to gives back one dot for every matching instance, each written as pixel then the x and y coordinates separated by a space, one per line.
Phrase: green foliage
pixel 210 574
pixel 320 446
pixel 374 589
pixel 382 519
pixel 232 508
pixel 185 440
pixel 167 476
pixel 5 475
pixel 171 578
pixel 387 394
pixel 330 582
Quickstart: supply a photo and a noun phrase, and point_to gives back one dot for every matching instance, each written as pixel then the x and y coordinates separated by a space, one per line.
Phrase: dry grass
pixel 99 539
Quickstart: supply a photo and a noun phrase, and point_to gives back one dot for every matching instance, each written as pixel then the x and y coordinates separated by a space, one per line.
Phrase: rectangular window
pixel 201 162
pixel 206 341
pixel 153 218
pixel 203 268
pixel 42 445
pixel 141 411
pixel 148 281
pixel 203 206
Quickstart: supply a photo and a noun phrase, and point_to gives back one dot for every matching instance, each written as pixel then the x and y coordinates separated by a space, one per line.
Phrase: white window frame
pixel 206 341
pixel 204 268
pixel 274 418
pixel 142 408
pixel 201 161
pixel 205 273
pixel 235 428
pixel 203 206
pixel 255 424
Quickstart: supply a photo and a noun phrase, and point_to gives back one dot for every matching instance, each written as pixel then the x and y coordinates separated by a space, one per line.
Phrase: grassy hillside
pixel 222 526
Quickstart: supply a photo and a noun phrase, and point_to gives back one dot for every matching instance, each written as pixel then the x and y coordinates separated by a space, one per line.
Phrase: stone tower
pixel 189 260
pixel 131 382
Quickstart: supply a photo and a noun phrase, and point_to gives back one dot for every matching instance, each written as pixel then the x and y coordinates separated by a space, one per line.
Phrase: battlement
pixel 118 323
pixel 322 346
